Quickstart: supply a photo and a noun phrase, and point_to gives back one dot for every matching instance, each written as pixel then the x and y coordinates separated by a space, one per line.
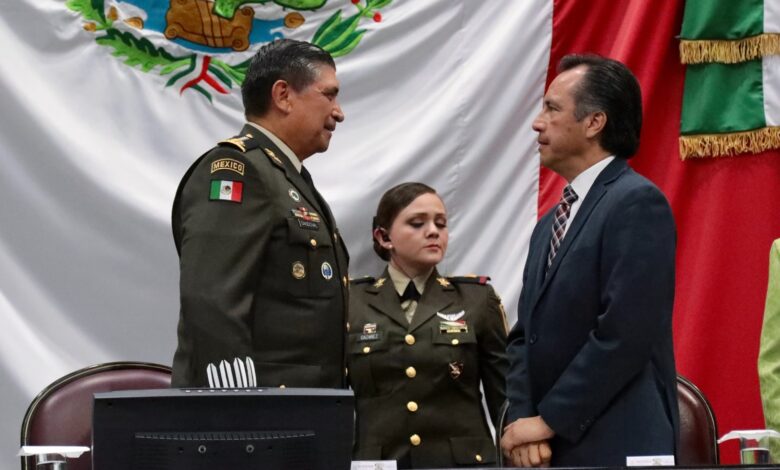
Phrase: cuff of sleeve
pixel 563 425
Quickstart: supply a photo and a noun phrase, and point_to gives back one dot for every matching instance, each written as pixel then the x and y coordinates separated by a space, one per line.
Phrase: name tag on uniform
pixel 371 337
pixel 308 224
pixel 370 333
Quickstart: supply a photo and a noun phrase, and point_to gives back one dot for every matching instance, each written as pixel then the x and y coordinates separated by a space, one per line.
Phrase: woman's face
pixel 418 237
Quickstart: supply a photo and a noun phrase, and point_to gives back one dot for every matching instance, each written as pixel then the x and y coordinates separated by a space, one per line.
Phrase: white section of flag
pixel 771 16
pixel 771 78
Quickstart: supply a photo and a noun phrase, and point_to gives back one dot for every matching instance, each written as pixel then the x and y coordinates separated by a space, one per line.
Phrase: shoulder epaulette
pixel 362 280
pixel 243 143
pixel 469 279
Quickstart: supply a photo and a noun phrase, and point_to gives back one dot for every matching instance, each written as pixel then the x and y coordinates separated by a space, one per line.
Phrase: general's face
pixel 561 136
pixel 419 234
pixel 314 113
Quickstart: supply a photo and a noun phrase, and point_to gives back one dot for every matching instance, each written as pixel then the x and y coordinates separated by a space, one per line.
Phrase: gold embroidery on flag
pixel 729 51
pixel 728 144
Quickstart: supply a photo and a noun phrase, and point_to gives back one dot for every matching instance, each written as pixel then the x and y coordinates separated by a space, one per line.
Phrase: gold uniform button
pixel 478 458
pixel 409 339
pixel 366 350
pixel 415 439
pixel 347 327
pixel 455 342
pixel 411 372
pixel 313 243
pixel 346 371
pixel 411 406
pixel 282 386
pixel 345 281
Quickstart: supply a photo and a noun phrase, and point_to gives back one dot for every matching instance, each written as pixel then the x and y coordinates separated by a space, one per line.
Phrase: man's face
pixel 561 136
pixel 314 113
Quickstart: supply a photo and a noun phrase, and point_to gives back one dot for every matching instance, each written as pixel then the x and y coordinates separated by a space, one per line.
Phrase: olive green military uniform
pixel 417 385
pixel 263 271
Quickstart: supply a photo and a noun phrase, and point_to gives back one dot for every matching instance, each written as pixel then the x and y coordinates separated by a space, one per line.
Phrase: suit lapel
pixel 280 160
pixel 596 192
pixel 437 297
pixel 385 299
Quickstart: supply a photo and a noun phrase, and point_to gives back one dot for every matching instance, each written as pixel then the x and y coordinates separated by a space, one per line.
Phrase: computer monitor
pixel 236 429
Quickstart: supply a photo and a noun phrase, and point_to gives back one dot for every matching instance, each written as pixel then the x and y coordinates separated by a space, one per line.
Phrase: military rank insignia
pixel 270 154
pixel 224 190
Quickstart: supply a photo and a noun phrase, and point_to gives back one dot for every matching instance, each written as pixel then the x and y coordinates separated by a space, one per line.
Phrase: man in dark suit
pixel 592 375
pixel 263 267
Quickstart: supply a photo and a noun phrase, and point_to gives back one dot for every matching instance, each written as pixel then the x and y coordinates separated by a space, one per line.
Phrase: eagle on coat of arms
pixel 205 45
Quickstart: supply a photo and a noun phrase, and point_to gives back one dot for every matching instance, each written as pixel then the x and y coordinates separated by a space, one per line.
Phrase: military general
pixel 263 268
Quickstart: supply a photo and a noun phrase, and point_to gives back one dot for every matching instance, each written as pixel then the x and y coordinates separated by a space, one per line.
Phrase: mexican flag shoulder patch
pixel 224 190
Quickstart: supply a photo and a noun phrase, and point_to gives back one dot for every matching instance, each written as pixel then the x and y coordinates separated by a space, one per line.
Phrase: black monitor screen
pixel 236 429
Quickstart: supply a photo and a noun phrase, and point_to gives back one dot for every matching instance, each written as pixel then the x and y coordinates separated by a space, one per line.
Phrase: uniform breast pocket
pixel 314 262
pixel 459 350
pixel 365 350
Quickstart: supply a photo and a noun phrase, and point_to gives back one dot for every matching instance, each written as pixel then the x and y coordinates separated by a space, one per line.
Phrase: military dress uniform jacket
pixel 263 270
pixel 417 386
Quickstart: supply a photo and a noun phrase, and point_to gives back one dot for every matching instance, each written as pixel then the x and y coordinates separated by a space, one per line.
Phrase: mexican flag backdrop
pixel 105 104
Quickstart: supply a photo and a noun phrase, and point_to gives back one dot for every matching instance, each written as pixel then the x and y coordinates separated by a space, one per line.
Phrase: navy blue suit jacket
pixel 592 348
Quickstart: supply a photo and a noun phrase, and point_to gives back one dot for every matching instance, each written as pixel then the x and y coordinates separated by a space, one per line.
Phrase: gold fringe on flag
pixel 722 145
pixel 729 51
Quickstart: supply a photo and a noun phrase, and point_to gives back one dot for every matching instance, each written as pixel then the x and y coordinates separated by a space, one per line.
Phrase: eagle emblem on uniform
pixel 205 45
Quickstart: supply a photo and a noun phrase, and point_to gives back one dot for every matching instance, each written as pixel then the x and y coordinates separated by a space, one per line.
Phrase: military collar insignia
pixel 270 153
pixel 379 283
pixel 443 281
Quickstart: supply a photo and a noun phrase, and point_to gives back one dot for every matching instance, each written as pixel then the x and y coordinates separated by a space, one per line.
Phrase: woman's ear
pixel 381 237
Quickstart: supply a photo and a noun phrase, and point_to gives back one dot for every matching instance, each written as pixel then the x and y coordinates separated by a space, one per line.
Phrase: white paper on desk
pixel 72 452
pixel 374 465
pixel 649 460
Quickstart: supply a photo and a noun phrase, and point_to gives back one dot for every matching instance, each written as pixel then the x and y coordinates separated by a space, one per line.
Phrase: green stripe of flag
pixel 722 19
pixel 722 98
pixel 215 187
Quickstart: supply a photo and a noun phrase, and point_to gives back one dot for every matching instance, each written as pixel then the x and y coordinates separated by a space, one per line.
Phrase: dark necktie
pixel 559 224
pixel 320 201
pixel 410 293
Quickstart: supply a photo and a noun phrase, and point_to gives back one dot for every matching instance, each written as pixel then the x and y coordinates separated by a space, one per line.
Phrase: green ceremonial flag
pixel 731 101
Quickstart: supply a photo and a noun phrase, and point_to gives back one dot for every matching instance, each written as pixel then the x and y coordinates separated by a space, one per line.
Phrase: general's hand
pixel 524 431
pixel 532 454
